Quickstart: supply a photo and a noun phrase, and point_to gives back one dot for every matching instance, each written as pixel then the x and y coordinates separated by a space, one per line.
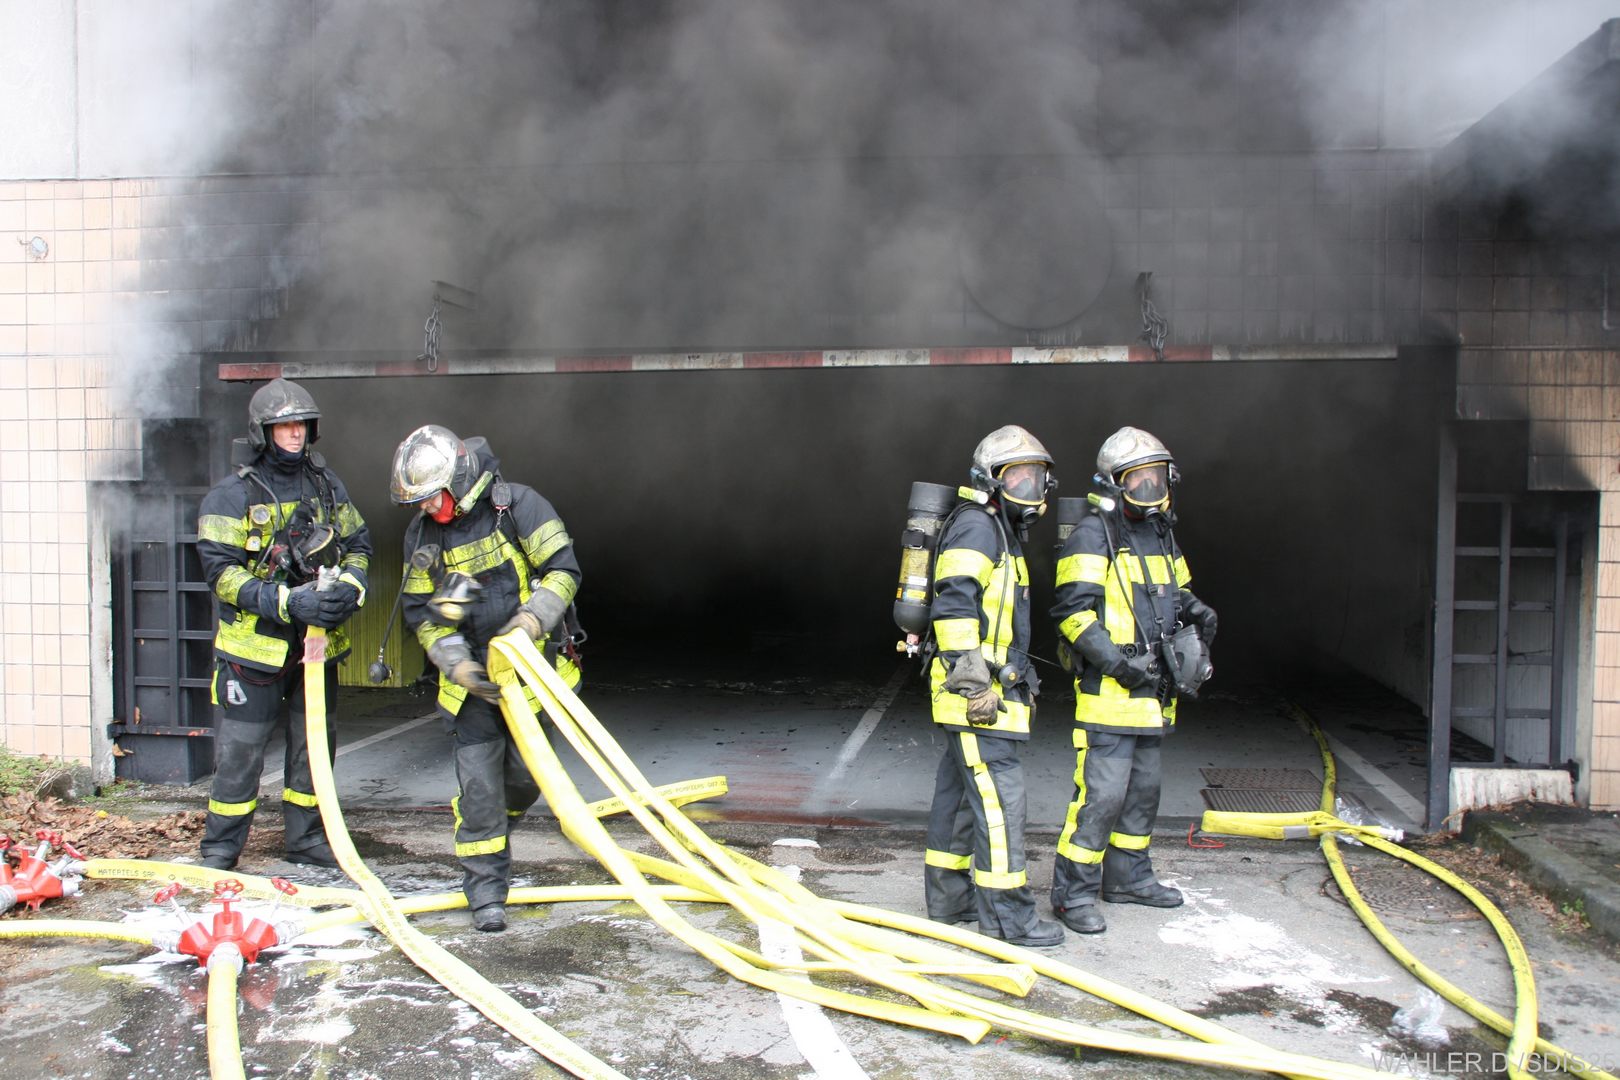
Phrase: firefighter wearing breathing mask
pixel 282 549
pixel 984 695
pixel 483 557
pixel 1122 593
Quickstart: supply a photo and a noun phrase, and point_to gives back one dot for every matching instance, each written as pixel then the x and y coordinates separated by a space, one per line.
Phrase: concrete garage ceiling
pixel 1036 251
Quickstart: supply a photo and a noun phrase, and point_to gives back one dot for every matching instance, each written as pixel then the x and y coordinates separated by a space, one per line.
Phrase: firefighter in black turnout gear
pixel 1121 595
pixel 283 549
pixel 482 558
pixel 984 696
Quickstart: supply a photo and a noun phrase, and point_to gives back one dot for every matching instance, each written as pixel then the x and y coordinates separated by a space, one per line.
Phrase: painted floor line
pixel 811 1031
pixel 1380 782
pixel 272 777
pixel 869 722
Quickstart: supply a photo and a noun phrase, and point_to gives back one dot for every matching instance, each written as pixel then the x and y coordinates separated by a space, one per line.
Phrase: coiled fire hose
pixel 1323 823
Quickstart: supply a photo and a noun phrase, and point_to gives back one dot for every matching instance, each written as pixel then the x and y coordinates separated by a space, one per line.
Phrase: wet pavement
pixel 830 777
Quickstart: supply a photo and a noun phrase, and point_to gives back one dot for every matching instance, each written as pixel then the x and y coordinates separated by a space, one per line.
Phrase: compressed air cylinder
pixel 1070 511
pixel 925 515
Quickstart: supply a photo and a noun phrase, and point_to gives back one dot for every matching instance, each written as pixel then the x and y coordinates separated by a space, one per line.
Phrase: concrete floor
pixel 862 750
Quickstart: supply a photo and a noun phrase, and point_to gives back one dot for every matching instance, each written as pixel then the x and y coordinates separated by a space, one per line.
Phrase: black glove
pixel 345 594
pixel 452 656
pixel 1201 614
pixel 324 609
pixel 1134 672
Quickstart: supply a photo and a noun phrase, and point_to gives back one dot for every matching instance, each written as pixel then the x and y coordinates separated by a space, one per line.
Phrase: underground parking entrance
pixel 739 536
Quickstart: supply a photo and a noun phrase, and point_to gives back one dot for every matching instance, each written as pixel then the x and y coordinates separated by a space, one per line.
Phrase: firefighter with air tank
pixel 1136 637
pixel 282 549
pixel 983 688
pixel 483 557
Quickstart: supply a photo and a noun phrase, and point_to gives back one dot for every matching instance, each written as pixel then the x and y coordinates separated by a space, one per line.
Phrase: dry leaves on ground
pixel 98 834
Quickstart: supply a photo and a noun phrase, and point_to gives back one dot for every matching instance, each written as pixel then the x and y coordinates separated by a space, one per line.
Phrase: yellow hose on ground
pixel 80 928
pixel 1522 1029
pixel 514 663
pixel 224 1044
pixel 380 907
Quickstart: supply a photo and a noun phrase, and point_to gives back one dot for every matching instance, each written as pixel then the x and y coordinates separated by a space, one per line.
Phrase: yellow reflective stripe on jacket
pixel 562 584
pixel 427 633
pixel 484 554
pixel 239 637
pixel 348 520
pixel 1090 569
pixel 228 586
pixel 945 860
pixel 1112 706
pixel 299 798
pixel 957 635
pixel 223 530
pixel 963 562
pixel 417 582
pixel 1006 583
pixel 1129 842
pixel 232 809
pixel 1183 575
pixel 550 538
pixel 1075 625
pixel 951 708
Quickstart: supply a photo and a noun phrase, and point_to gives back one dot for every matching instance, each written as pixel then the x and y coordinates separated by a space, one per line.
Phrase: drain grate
pixel 1270 800
pixel 1291 779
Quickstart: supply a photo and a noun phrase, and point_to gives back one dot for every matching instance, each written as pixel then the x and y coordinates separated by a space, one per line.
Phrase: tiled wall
pixel 1571 401
pixel 58 276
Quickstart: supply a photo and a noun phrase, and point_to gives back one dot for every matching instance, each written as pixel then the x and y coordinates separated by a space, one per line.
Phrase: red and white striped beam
pixel 327 368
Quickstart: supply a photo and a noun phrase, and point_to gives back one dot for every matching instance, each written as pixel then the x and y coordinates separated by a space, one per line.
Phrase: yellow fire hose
pixel 1522 1029
pixel 224 1043
pixel 514 663
pixel 384 912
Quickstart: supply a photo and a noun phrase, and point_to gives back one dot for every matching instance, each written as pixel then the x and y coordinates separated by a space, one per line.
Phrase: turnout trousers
pixel 495 787
pixel 250 711
pixel 1110 820
pixel 974 866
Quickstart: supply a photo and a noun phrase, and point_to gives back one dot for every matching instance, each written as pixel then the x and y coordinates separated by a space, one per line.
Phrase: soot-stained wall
pixel 715 510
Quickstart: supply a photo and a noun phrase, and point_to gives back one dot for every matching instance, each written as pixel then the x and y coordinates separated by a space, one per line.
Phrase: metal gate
pixel 162 730
pixel 1500 633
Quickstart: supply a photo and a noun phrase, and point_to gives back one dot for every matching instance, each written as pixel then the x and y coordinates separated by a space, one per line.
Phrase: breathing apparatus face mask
pixel 1146 488
pixel 1024 485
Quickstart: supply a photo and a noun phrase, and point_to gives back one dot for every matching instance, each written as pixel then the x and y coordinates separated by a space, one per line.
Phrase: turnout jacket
pixel 510 553
pixel 981 601
pixel 239 522
pixel 1113 601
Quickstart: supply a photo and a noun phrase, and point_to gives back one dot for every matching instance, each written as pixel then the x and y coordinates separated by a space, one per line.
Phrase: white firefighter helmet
pixel 1139 467
pixel 425 464
pixel 280 402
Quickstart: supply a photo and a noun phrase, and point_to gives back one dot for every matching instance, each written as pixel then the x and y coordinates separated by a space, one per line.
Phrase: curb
pixel 1549 869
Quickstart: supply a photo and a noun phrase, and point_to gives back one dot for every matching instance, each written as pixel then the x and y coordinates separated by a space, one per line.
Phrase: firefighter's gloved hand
pixel 1201 615
pixel 323 609
pixel 347 595
pixel 1133 672
pixel 539 616
pixel 970 677
pixel 452 656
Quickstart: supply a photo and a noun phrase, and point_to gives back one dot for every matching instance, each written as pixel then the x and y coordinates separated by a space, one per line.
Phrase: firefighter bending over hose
pixel 984 696
pixel 482 558
pixel 1121 597
pixel 282 549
